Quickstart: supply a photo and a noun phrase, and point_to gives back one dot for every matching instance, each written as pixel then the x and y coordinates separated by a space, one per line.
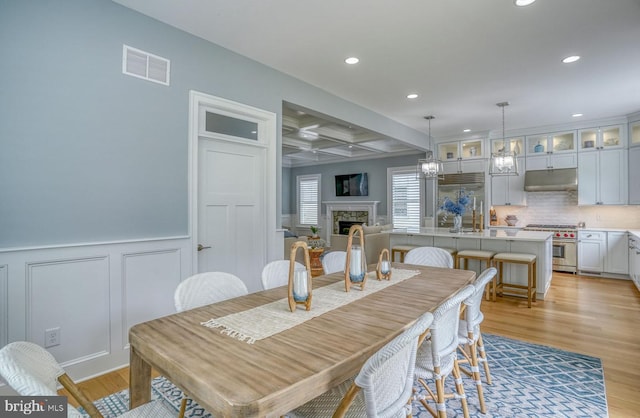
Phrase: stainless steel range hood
pixel 563 179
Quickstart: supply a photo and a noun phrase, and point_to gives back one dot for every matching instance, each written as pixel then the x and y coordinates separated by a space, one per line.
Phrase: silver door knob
pixel 201 247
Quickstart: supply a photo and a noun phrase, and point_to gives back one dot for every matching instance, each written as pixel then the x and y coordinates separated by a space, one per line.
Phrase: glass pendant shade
pixel 429 167
pixel 503 163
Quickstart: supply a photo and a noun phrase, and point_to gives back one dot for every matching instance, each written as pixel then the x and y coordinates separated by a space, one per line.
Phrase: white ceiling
pixel 461 56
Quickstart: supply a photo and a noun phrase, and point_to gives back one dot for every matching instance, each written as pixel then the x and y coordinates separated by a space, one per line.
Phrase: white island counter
pixel 498 240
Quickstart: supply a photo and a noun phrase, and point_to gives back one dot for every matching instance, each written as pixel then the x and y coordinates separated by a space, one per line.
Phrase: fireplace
pixel 343 226
pixel 361 212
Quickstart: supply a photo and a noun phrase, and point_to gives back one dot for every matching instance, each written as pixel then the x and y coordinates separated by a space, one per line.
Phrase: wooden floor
pixel 593 316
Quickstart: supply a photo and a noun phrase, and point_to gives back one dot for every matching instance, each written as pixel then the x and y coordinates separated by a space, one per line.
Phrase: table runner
pixel 270 319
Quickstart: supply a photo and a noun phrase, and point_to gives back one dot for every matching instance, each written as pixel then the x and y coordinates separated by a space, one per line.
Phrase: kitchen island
pixel 498 240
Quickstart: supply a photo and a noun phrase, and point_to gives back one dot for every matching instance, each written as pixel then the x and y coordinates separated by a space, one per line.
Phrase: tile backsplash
pixel 562 208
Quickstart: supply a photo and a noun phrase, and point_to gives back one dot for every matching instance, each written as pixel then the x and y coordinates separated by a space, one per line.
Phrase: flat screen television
pixel 352 185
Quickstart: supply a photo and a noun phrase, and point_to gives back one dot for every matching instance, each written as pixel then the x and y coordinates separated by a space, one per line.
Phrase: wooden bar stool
pixel 402 250
pixel 517 258
pixel 451 251
pixel 481 256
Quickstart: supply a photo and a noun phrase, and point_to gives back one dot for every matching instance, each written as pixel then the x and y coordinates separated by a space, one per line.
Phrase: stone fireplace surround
pixel 357 211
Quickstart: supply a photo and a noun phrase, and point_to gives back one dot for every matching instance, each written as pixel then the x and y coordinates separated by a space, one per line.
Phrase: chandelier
pixel 429 167
pixel 504 162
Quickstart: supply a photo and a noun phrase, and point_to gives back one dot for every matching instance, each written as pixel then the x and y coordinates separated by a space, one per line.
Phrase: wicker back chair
pixel 334 261
pixel 429 256
pixel 470 337
pixel 382 388
pixel 437 356
pixel 276 273
pixel 206 288
pixel 32 371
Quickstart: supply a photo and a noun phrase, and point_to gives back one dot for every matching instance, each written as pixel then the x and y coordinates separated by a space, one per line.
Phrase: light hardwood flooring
pixel 593 316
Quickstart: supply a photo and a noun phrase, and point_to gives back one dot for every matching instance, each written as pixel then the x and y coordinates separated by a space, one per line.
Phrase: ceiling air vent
pixel 144 65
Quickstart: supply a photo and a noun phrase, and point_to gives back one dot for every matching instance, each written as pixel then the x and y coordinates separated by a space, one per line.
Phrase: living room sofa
pixel 376 238
pixel 288 242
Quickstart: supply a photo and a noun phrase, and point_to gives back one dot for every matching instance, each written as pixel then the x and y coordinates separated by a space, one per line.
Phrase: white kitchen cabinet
pixel 557 143
pixel 548 151
pixel 515 144
pixel 606 137
pixel 509 190
pixel 464 166
pixel 634 260
pixel 602 177
pixel 462 156
pixel 634 174
pixel 552 160
pixel 634 137
pixel 591 251
pixel 617 256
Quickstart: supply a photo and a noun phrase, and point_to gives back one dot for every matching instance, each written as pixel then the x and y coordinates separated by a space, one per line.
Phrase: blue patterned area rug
pixel 529 380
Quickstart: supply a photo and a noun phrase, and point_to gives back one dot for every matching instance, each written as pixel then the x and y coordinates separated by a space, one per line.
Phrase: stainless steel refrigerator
pixel 450 186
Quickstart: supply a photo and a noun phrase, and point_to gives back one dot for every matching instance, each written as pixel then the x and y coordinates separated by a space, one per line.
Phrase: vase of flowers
pixel 455 208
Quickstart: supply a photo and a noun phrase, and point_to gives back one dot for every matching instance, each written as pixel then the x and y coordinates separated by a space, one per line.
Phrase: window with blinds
pixel 405 199
pixel 308 199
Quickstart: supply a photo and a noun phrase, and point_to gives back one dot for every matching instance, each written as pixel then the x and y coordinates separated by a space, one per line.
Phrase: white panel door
pixel 231 209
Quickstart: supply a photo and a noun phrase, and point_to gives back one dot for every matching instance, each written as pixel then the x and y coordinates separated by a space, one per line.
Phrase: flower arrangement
pixel 457 208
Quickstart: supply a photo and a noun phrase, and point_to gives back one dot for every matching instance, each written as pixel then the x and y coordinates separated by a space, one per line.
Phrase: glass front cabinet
pixel 607 137
pixel 462 156
pixel 548 151
pixel 634 136
pixel 508 145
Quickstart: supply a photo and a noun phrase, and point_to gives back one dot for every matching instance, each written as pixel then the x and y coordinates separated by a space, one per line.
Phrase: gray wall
pixel 376 172
pixel 89 154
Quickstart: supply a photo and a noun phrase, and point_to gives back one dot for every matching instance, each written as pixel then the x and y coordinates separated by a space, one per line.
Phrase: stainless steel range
pixel 565 252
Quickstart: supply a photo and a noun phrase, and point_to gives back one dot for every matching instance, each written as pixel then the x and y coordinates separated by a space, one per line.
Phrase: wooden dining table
pixel 231 378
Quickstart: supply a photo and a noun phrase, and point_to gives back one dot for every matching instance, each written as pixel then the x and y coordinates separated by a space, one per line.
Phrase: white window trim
pixel 308 177
pixel 411 171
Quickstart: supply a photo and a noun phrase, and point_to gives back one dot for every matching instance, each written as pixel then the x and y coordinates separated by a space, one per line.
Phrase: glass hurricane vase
pixel 457 223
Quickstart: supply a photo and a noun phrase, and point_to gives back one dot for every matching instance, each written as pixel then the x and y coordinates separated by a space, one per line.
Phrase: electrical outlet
pixel 51 337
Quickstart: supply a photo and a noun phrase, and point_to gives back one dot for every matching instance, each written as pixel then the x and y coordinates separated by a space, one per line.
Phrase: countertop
pixel 509 234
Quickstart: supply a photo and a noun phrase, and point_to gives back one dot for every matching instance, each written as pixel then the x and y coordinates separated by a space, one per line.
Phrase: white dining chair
pixel 334 261
pixel 276 273
pixel 437 356
pixel 32 371
pixel 429 256
pixel 382 388
pixel 470 338
pixel 206 288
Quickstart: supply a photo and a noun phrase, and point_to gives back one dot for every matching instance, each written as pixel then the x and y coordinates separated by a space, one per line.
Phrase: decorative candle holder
pixel 300 285
pixel 355 272
pixel 481 228
pixel 473 220
pixel 383 269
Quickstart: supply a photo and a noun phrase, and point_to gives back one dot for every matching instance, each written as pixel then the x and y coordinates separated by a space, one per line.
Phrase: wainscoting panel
pixel 93 292
pixel 149 282
pixel 4 305
pixel 73 296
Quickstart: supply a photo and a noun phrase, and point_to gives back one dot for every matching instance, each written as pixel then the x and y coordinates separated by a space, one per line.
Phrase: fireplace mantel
pixel 371 207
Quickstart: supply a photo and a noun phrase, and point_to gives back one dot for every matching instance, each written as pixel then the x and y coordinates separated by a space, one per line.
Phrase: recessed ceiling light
pixel 466 130
pixel 576 115
pixel 523 3
pixel 570 59
pixel 352 60
pixel 350 146
pixel 412 96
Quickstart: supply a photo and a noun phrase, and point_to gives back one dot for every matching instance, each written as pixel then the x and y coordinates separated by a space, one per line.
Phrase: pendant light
pixel 430 167
pixel 503 162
